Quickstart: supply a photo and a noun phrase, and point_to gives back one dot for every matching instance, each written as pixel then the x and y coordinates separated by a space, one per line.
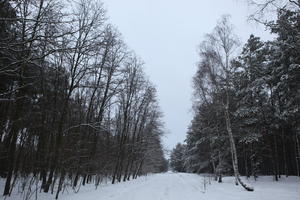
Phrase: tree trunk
pixel 286 171
pixel 297 154
pixel 12 149
pixel 252 163
pixel 276 157
pixel 273 157
pixel 233 148
pixel 246 161
pixel 220 178
pixel 138 169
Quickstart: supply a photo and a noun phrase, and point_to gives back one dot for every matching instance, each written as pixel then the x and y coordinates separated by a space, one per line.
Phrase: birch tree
pixel 216 53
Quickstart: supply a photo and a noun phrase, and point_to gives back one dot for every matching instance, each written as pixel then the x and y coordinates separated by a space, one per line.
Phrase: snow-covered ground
pixel 182 186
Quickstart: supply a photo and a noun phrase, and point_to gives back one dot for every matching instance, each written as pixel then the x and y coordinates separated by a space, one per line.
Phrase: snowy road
pixel 168 186
pixel 180 186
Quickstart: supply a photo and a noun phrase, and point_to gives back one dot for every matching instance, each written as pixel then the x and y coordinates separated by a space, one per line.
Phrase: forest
pixel 75 104
pixel 246 105
pixel 81 119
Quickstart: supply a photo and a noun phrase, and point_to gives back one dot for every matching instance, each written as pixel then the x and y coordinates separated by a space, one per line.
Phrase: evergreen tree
pixel 177 158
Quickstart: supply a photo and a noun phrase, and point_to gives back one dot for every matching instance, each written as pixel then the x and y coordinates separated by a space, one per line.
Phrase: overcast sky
pixel 165 34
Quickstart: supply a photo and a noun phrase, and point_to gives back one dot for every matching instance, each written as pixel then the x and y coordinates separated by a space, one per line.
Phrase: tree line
pixel 75 104
pixel 247 105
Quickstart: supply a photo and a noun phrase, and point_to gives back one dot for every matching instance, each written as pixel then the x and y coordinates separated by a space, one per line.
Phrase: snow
pixel 184 186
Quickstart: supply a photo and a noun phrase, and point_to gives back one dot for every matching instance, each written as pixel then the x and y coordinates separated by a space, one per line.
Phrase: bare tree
pixel 35 18
pixel 74 101
pixel 263 9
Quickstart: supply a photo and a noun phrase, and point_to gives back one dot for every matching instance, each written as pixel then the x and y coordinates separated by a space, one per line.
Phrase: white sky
pixel 165 34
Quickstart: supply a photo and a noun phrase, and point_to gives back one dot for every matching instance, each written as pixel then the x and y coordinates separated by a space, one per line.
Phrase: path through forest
pixel 166 186
pixel 181 186
pixel 184 186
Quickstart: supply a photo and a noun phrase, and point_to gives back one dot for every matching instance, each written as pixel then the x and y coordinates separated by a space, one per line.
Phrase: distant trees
pixel 75 106
pixel 256 96
pixel 177 158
